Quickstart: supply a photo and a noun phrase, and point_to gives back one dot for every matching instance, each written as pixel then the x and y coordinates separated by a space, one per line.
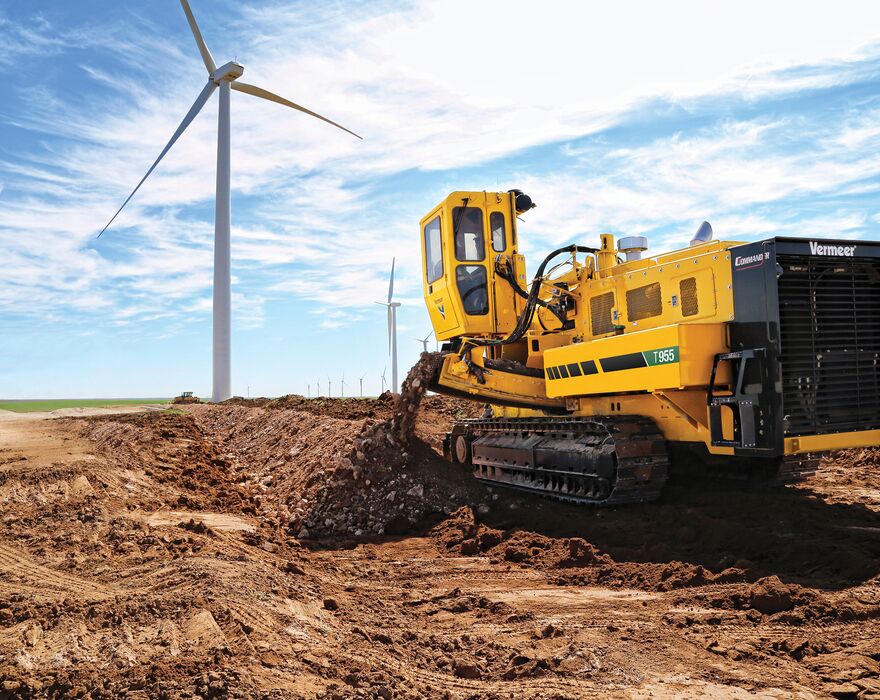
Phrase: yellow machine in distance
pixel 744 358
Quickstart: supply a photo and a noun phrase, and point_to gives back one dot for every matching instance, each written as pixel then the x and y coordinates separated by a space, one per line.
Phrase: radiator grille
pixel 688 290
pixel 643 302
pixel 600 313
pixel 829 313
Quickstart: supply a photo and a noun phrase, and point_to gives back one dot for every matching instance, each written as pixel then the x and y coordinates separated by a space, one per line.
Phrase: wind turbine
pixel 392 328
pixel 361 380
pixel 329 390
pixel 424 342
pixel 225 77
pixel 342 390
pixel 383 378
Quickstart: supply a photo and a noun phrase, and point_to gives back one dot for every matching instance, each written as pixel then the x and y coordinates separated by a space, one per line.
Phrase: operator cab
pixel 463 239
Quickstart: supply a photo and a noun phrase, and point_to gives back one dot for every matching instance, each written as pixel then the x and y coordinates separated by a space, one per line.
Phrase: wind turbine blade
pixel 391 282
pixel 272 97
pixel 389 329
pixel 193 111
pixel 203 48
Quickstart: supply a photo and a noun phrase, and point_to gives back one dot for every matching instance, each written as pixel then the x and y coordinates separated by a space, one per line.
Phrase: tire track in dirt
pixel 16 565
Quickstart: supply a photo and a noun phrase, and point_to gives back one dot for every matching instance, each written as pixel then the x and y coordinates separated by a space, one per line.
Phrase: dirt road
pixel 247 551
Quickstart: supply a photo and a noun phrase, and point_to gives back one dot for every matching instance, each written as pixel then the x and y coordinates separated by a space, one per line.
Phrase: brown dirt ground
pixel 297 549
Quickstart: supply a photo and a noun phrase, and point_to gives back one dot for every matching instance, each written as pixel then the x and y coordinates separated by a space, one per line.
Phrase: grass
pixel 28 406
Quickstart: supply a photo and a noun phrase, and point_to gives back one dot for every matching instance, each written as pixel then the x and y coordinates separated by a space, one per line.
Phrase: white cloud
pixel 717 174
pixel 431 86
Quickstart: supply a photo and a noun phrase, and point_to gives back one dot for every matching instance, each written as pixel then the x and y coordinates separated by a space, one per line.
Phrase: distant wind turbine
pixel 424 342
pixel 225 77
pixel 329 390
pixel 361 380
pixel 383 378
pixel 342 383
pixel 392 328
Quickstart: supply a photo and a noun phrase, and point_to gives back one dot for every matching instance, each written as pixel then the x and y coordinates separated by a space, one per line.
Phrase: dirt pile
pixel 315 473
pixel 381 407
pixel 842 477
pixel 461 534
pixel 792 604
pixel 311 467
pixel 171 449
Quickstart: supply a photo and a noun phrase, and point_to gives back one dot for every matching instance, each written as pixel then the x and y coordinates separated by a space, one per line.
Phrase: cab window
pixel 433 250
pixel 496 224
pixel 468 223
pixel 472 288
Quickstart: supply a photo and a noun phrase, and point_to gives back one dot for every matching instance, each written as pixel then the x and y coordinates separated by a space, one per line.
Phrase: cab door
pixel 470 260
pixel 441 307
pixel 505 302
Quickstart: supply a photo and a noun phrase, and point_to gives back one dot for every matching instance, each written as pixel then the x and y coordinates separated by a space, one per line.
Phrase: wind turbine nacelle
pixel 465 239
pixel 228 71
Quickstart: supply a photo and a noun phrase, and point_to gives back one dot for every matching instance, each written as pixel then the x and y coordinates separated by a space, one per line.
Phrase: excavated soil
pixel 321 548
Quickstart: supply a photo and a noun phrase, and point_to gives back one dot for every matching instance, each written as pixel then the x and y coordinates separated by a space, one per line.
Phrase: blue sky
pixel 641 118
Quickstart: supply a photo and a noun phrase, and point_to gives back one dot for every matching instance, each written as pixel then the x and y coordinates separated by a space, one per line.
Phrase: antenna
pixel 226 78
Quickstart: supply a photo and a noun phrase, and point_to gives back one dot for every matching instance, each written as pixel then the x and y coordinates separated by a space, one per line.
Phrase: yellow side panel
pixel 707 283
pixel 669 357
pixel 502 387
pixel 833 441
pixel 441 308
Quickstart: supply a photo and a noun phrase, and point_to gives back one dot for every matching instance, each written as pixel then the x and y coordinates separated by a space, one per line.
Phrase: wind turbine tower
pixel 226 77
pixel 361 380
pixel 392 329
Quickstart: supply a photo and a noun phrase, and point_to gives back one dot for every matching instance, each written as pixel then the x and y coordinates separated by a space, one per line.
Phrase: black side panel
pixel 756 310
pixel 815 308
pixel 830 325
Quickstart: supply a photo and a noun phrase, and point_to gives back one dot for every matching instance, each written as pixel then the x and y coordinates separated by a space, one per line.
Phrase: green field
pixel 28 405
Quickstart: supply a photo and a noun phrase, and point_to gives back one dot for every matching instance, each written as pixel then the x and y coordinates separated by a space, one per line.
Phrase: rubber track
pixel 639 448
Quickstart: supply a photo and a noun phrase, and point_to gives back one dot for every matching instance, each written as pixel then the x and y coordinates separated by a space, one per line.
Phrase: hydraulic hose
pixel 532 302
pixel 509 277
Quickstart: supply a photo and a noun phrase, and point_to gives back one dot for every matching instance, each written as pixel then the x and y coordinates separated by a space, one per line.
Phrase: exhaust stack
pixel 632 247
pixel 703 234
